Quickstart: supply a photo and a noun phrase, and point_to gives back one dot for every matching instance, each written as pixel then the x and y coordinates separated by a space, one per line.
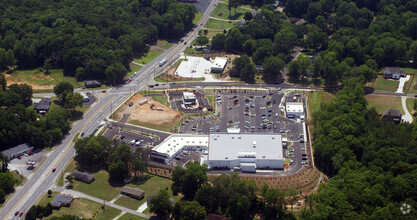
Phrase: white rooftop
pixel 220 62
pixel 294 107
pixel 232 145
pixel 196 67
pixel 189 95
pixel 174 143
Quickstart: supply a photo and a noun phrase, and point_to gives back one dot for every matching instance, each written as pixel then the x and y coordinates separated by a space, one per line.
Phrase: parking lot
pixel 22 165
pixel 252 112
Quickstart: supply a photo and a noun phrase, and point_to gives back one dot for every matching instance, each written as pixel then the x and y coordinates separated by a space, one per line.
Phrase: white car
pixel 132 142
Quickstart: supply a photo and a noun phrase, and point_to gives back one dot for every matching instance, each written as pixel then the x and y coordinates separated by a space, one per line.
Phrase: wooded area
pixel 88 39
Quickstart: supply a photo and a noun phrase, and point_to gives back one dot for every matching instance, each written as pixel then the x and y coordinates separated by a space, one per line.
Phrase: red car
pixel 53 170
pixel 20 215
pixel 19 157
pixel 104 91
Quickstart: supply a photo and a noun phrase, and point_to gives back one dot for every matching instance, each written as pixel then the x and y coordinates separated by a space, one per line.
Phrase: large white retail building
pixel 245 151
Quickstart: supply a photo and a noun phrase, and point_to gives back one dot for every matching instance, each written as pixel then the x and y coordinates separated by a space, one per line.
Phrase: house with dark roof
pixel 42 106
pixel 132 192
pixel 392 115
pixel 61 200
pixel 92 83
pixel 17 151
pixel 83 177
pixel 394 73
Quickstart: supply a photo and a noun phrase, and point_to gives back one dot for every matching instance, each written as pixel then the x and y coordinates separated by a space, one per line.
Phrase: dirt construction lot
pixel 145 116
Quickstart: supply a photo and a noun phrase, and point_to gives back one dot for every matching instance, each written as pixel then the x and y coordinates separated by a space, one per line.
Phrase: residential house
pixel 92 83
pixel 392 115
pixel 394 73
pixel 42 106
pixel 61 200
pixel 83 177
pixel 132 192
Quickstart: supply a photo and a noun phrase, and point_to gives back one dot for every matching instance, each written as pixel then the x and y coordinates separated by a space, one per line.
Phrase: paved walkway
pixel 121 214
pixel 137 63
pixel 401 84
pixel 407 116
pixel 80 194
pixel 143 207
pixel 221 19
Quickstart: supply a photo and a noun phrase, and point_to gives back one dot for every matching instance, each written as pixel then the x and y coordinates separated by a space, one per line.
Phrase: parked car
pixel 54 169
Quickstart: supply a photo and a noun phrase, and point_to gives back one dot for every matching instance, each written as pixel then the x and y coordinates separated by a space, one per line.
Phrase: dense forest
pixel 373 163
pixel 346 38
pixel 88 39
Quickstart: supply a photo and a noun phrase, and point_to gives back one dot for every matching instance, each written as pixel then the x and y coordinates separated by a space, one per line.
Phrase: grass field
pixel 166 45
pixel 87 209
pixel 133 68
pixel 46 199
pixel 386 85
pixel 221 9
pixel 148 57
pixel 191 50
pixel 197 17
pixel 18 178
pixel 40 80
pixel 152 184
pixel 129 216
pixel 216 24
pixel 382 103
pixel 100 188
pixel 128 202
pixel 316 98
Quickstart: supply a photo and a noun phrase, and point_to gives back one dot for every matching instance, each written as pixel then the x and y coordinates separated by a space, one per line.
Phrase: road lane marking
pixel 14 207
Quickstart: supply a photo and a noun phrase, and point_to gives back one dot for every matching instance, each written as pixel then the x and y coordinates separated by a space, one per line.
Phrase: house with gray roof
pixel 61 200
pixel 83 177
pixel 132 192
pixel 42 106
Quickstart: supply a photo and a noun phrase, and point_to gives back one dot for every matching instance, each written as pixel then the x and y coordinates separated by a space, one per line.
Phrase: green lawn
pixel 87 209
pixel 148 57
pixel 197 17
pixel 133 68
pixel 128 202
pixel 191 50
pixel 46 199
pixel 382 103
pixel 221 11
pixel 152 184
pixel 18 178
pixel 386 85
pixel 410 106
pixel 39 78
pixel 69 169
pixel 99 188
pixel 166 46
pixel 316 98
pixel 216 24
pixel 413 81
pixel 129 216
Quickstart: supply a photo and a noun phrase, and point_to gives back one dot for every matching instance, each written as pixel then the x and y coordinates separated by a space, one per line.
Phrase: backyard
pixel 382 103
pixel 386 84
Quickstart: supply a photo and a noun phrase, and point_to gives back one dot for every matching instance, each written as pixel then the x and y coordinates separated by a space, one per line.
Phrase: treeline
pixel 226 195
pixel 89 39
pixel 346 38
pixel 95 153
pixel 373 163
